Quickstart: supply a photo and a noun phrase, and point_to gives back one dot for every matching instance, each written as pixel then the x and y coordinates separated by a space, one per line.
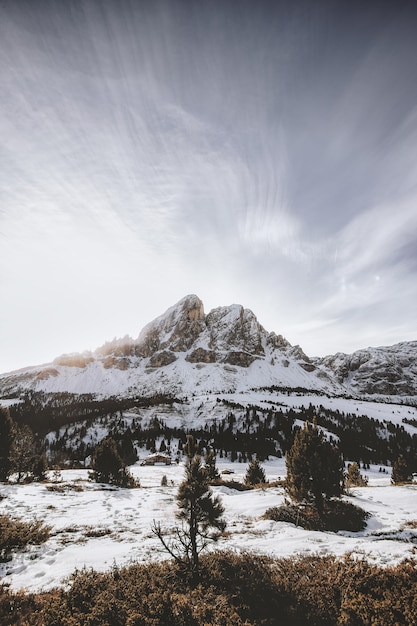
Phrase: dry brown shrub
pixel 16 534
pixel 337 515
pixel 234 590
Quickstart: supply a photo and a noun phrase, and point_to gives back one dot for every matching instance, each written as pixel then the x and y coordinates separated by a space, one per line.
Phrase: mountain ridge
pixel 226 349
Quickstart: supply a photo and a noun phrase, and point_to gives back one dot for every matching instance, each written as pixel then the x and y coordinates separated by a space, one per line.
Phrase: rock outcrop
pixel 390 370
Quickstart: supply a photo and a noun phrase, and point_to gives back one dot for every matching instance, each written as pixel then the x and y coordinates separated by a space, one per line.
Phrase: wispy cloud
pixel 264 155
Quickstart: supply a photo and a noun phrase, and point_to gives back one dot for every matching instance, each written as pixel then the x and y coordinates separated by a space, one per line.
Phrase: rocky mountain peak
pixel 233 327
pixel 175 329
pixel 228 348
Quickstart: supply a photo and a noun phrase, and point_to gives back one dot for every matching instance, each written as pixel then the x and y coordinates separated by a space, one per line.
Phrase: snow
pixel 97 526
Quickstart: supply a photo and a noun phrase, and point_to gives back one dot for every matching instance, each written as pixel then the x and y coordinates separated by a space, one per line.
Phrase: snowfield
pixel 96 526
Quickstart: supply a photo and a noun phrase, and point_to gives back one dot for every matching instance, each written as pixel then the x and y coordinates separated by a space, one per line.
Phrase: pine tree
pixel 255 474
pixel 40 467
pixel 6 438
pixel 354 477
pixel 200 513
pixel 314 468
pixel 108 466
pixel 210 465
pixel 22 452
pixel 401 472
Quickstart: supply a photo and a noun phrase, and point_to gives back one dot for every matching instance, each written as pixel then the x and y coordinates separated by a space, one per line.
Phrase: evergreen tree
pixel 314 468
pixel 22 452
pixel 6 438
pixel 127 450
pixel 354 477
pixel 40 467
pixel 108 466
pixel 200 513
pixel 401 472
pixel 210 465
pixel 255 474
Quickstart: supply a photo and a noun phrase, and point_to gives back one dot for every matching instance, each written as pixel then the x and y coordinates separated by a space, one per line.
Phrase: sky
pixel 261 153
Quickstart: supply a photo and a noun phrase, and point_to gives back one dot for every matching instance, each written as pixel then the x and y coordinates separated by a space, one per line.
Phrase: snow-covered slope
pixel 181 351
pixel 390 370
pixel 100 527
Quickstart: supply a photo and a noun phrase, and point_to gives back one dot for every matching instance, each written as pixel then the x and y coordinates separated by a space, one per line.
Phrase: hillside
pixel 222 376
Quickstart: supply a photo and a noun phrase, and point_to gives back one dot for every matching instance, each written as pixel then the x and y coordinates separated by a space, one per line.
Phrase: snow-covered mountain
pixel 186 350
pixel 179 352
pixel 389 370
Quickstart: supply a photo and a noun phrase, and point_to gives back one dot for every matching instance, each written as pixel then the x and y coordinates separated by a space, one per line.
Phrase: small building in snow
pixel 157 459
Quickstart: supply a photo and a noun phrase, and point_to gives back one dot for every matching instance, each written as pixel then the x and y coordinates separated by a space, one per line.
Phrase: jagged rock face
pixel 277 341
pixel 243 359
pixel 227 334
pixel 46 373
pixel 200 355
pixel 390 370
pixel 115 362
pixel 74 360
pixel 160 359
pixel 235 327
pixel 177 329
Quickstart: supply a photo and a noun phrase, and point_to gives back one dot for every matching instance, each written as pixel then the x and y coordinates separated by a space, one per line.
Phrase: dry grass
pixel 65 487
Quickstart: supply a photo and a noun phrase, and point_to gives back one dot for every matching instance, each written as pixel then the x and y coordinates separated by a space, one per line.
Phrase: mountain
pixel 181 351
pixel 226 379
pixel 186 351
pixel 389 370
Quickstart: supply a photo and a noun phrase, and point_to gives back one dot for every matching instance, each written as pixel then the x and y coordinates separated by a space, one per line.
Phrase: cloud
pixel 263 156
pixel 372 242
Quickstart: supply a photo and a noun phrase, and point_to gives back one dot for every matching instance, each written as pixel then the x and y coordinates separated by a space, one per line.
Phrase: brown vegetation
pixel 336 515
pixel 234 590
pixel 16 534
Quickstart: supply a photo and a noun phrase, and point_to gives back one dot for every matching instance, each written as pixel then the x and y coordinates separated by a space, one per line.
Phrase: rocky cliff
pixel 389 370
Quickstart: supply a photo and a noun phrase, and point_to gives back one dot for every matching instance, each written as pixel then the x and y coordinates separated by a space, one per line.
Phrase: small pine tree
pixel 127 450
pixel 200 513
pixel 255 474
pixel 354 477
pixel 401 472
pixel 314 468
pixel 210 466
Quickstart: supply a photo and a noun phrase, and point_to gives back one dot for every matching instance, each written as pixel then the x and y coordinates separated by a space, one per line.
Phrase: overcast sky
pixel 251 152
